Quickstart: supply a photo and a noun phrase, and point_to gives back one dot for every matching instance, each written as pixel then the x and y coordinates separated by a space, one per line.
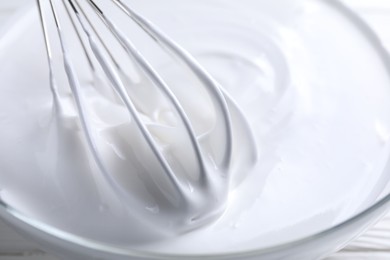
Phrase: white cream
pixel 312 87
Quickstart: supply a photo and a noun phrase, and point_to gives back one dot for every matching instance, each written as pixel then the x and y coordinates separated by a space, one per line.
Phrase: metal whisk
pixel 188 187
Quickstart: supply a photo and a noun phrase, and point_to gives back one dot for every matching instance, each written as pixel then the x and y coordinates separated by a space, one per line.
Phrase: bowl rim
pixel 38 229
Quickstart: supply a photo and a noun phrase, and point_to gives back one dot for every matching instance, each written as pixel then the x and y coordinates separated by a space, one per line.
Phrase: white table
pixel 374 245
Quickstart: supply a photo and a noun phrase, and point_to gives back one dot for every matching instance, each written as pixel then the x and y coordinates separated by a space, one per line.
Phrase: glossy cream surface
pixel 312 85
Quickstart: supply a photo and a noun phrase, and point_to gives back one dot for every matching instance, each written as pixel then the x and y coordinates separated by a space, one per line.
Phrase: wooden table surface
pixel 374 245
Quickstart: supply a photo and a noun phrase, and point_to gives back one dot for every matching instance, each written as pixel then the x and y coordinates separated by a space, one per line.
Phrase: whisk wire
pixel 197 196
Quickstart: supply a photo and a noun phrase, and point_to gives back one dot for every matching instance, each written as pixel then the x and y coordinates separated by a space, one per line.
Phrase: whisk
pixel 174 176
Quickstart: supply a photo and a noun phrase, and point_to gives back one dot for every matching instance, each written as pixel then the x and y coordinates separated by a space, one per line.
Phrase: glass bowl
pixel 340 28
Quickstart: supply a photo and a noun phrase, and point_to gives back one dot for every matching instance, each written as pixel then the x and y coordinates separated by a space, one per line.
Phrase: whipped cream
pixel 319 116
